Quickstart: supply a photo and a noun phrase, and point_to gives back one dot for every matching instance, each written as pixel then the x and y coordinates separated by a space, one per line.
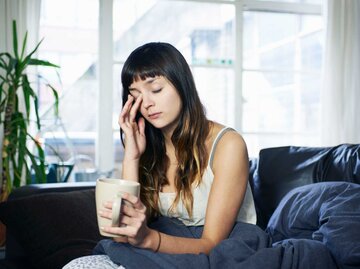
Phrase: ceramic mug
pixel 111 189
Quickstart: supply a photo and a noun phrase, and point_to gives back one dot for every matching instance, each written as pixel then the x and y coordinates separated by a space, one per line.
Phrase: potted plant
pixel 18 160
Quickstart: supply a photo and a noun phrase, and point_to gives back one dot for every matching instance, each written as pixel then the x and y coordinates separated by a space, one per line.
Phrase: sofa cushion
pixel 53 228
pixel 282 169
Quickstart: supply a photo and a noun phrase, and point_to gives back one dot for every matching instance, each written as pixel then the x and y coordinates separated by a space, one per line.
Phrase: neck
pixel 170 151
pixel 167 133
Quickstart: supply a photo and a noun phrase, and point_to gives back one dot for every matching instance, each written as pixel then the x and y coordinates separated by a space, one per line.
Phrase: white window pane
pixel 257 141
pixel 70 41
pixel 281 41
pixel 312 51
pixel 185 24
pixel 216 90
pixel 281 102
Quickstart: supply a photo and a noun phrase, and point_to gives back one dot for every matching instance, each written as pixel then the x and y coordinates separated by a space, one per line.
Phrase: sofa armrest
pixel 14 250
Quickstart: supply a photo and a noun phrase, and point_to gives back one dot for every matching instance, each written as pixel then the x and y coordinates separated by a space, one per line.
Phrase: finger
pixel 142 126
pixel 108 204
pixel 134 200
pixel 105 214
pixel 124 219
pixel 126 109
pixel 130 211
pixel 128 104
pixel 121 239
pixel 122 231
pixel 134 109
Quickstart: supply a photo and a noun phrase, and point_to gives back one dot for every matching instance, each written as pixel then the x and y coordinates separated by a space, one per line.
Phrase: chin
pixel 157 124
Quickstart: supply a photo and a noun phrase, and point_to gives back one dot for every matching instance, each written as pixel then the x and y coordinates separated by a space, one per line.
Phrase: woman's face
pixel 161 104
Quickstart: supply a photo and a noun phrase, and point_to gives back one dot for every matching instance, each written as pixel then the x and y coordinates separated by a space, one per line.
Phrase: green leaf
pixel 56 103
pixel 26 83
pixel 3 64
pixel 25 62
pixel 24 45
pixel 15 40
pixel 5 54
pixel 2 105
pixel 16 172
pixel 36 104
pixel 39 175
pixel 38 167
pixel 28 172
pixel 16 120
pixel 27 92
pixel 41 62
pixel 12 66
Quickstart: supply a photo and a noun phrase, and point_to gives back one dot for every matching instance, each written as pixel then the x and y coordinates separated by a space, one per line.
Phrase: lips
pixel 154 116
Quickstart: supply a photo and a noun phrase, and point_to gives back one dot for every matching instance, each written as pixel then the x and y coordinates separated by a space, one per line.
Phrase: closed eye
pixel 134 93
pixel 157 91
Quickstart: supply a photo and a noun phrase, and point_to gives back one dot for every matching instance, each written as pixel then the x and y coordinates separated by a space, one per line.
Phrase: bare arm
pixel 231 169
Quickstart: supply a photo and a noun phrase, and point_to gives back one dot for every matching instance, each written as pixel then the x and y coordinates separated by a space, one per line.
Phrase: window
pixel 281 79
pixel 257 65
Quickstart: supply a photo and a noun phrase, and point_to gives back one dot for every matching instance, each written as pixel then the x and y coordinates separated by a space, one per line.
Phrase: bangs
pixel 141 73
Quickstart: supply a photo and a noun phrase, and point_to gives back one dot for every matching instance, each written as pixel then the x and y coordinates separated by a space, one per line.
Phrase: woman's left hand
pixel 132 227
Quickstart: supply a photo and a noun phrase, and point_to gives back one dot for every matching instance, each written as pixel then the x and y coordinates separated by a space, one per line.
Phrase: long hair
pixel 188 138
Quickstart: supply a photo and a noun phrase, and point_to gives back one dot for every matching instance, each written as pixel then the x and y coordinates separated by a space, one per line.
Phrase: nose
pixel 147 101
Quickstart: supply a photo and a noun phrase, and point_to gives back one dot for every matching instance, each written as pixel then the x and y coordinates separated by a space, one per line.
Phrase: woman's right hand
pixel 135 140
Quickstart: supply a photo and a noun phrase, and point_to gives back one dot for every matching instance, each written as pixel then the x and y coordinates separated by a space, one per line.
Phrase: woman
pixel 189 167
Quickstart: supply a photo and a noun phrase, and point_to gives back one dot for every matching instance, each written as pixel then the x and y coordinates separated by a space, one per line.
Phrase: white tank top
pixel 201 193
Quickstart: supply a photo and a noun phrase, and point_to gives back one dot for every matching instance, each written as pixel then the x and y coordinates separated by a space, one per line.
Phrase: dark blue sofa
pixel 65 212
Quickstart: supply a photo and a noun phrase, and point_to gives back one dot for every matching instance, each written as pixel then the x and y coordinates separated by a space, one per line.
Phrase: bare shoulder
pixel 231 148
pixel 230 138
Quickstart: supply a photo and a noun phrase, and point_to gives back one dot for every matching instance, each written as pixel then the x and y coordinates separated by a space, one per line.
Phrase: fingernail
pixel 100 212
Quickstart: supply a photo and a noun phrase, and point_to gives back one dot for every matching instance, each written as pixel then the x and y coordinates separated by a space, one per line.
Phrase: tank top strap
pixel 216 141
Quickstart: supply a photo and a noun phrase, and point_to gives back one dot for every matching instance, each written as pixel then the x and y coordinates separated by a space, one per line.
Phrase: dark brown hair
pixel 162 59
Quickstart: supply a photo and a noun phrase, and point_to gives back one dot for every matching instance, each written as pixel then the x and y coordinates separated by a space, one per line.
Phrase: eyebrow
pixel 147 81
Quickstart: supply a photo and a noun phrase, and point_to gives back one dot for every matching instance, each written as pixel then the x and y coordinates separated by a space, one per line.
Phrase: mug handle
pixel 115 218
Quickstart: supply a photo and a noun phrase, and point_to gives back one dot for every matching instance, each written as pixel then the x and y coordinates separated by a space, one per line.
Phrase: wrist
pixel 128 160
pixel 130 170
pixel 153 240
